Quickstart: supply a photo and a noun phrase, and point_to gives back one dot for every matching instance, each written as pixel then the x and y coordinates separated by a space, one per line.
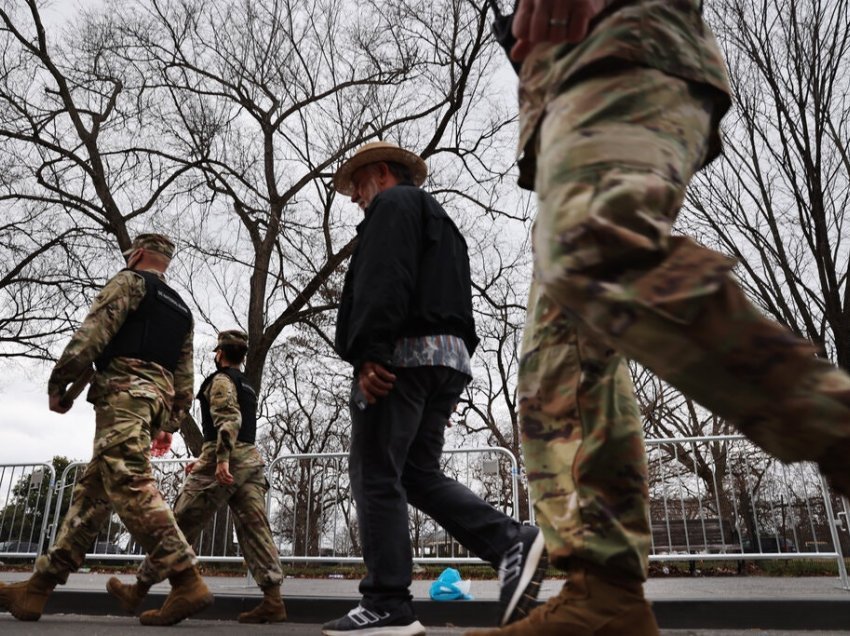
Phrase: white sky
pixel 30 432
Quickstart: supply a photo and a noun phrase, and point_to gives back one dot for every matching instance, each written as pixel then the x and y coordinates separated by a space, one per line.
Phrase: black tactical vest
pixel 247 398
pixel 156 331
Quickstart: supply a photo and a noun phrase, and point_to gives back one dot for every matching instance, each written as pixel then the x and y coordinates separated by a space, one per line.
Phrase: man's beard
pixel 370 191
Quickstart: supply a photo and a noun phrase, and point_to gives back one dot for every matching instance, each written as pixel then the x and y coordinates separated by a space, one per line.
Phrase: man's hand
pixel 538 21
pixel 161 444
pixel 375 381
pixel 222 473
pixel 189 467
pixel 57 406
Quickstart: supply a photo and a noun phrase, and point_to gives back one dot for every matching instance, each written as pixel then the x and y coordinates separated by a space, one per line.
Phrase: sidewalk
pixel 738 602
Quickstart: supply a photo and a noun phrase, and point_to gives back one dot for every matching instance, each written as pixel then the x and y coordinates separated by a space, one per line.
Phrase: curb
pixel 780 613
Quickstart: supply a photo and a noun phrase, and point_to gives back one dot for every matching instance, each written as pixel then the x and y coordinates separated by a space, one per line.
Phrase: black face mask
pixel 218 365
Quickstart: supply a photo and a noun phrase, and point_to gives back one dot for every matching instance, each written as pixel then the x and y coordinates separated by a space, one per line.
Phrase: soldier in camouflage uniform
pixel 229 470
pixel 142 388
pixel 619 107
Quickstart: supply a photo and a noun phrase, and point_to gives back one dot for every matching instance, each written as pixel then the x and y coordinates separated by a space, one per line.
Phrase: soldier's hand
pixel 161 444
pixel 222 473
pixel 189 467
pixel 375 381
pixel 57 406
pixel 538 21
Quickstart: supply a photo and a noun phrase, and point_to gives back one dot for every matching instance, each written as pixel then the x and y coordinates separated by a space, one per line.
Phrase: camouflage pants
pixel 202 495
pixel 119 477
pixel 616 153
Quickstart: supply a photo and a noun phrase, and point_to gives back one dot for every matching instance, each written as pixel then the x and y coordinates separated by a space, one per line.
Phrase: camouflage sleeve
pixel 122 294
pixel 184 385
pixel 226 416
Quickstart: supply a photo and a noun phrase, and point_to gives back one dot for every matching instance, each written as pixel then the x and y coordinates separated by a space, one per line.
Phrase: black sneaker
pixel 400 621
pixel 520 573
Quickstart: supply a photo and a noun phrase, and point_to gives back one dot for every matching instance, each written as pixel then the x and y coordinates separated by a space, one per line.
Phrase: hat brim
pixel 342 179
pixel 126 253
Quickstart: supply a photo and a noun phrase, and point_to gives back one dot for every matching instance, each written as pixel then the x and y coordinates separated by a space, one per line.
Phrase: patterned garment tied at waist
pixel 433 351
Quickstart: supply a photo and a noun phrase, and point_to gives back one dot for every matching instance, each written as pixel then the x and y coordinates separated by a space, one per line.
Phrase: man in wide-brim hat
pixel 405 324
pixel 408 165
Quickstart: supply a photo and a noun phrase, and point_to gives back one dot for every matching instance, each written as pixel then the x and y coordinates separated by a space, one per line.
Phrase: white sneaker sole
pixel 414 629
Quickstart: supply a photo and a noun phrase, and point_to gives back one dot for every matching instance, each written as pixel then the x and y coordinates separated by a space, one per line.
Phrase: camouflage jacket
pixel 668 35
pixel 122 295
pixel 227 418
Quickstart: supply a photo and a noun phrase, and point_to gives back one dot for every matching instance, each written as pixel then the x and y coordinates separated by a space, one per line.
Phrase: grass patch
pixel 667 569
pixel 790 568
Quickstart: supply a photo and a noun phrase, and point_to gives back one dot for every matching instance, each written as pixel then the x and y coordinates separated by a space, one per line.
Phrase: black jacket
pixel 408 276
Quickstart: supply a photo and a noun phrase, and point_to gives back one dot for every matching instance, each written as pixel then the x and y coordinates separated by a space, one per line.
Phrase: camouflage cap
pixel 232 337
pixel 154 242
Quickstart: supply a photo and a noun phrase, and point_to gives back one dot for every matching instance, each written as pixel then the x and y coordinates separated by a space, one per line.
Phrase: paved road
pixel 694 607
pixel 657 589
pixel 73 625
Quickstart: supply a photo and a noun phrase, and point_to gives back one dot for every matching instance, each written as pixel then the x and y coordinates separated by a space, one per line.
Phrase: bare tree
pixel 778 198
pixel 79 135
pixel 40 278
pixel 79 128
pixel 269 97
pixel 488 412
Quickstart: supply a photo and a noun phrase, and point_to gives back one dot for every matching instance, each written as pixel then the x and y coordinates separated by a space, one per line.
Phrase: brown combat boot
pixel 271 610
pixel 130 596
pixel 189 595
pixel 26 600
pixel 588 605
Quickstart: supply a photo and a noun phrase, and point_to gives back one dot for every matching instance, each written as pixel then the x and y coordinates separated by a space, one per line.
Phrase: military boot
pixel 189 595
pixel 130 596
pixel 271 610
pixel 588 605
pixel 26 600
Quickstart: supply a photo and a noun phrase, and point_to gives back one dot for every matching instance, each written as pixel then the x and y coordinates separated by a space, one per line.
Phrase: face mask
pixel 217 360
pixel 134 259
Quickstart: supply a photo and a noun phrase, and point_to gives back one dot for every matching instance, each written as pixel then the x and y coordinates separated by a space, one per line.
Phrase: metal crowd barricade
pixel 713 498
pixel 25 499
pixel 313 516
pixel 721 498
pixel 216 542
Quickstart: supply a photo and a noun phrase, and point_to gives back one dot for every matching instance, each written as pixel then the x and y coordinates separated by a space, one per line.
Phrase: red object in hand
pixel 161 444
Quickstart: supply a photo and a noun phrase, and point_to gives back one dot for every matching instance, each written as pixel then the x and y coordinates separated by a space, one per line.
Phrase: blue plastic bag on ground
pixel 450 587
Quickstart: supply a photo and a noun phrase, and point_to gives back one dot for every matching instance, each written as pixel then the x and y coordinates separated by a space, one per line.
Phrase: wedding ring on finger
pixel 554 22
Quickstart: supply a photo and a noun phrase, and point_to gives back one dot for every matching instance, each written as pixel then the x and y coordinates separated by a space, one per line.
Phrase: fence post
pixel 46 516
pixel 833 530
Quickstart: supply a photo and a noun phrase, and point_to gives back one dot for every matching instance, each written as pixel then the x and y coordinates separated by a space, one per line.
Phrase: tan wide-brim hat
pixel 374 152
